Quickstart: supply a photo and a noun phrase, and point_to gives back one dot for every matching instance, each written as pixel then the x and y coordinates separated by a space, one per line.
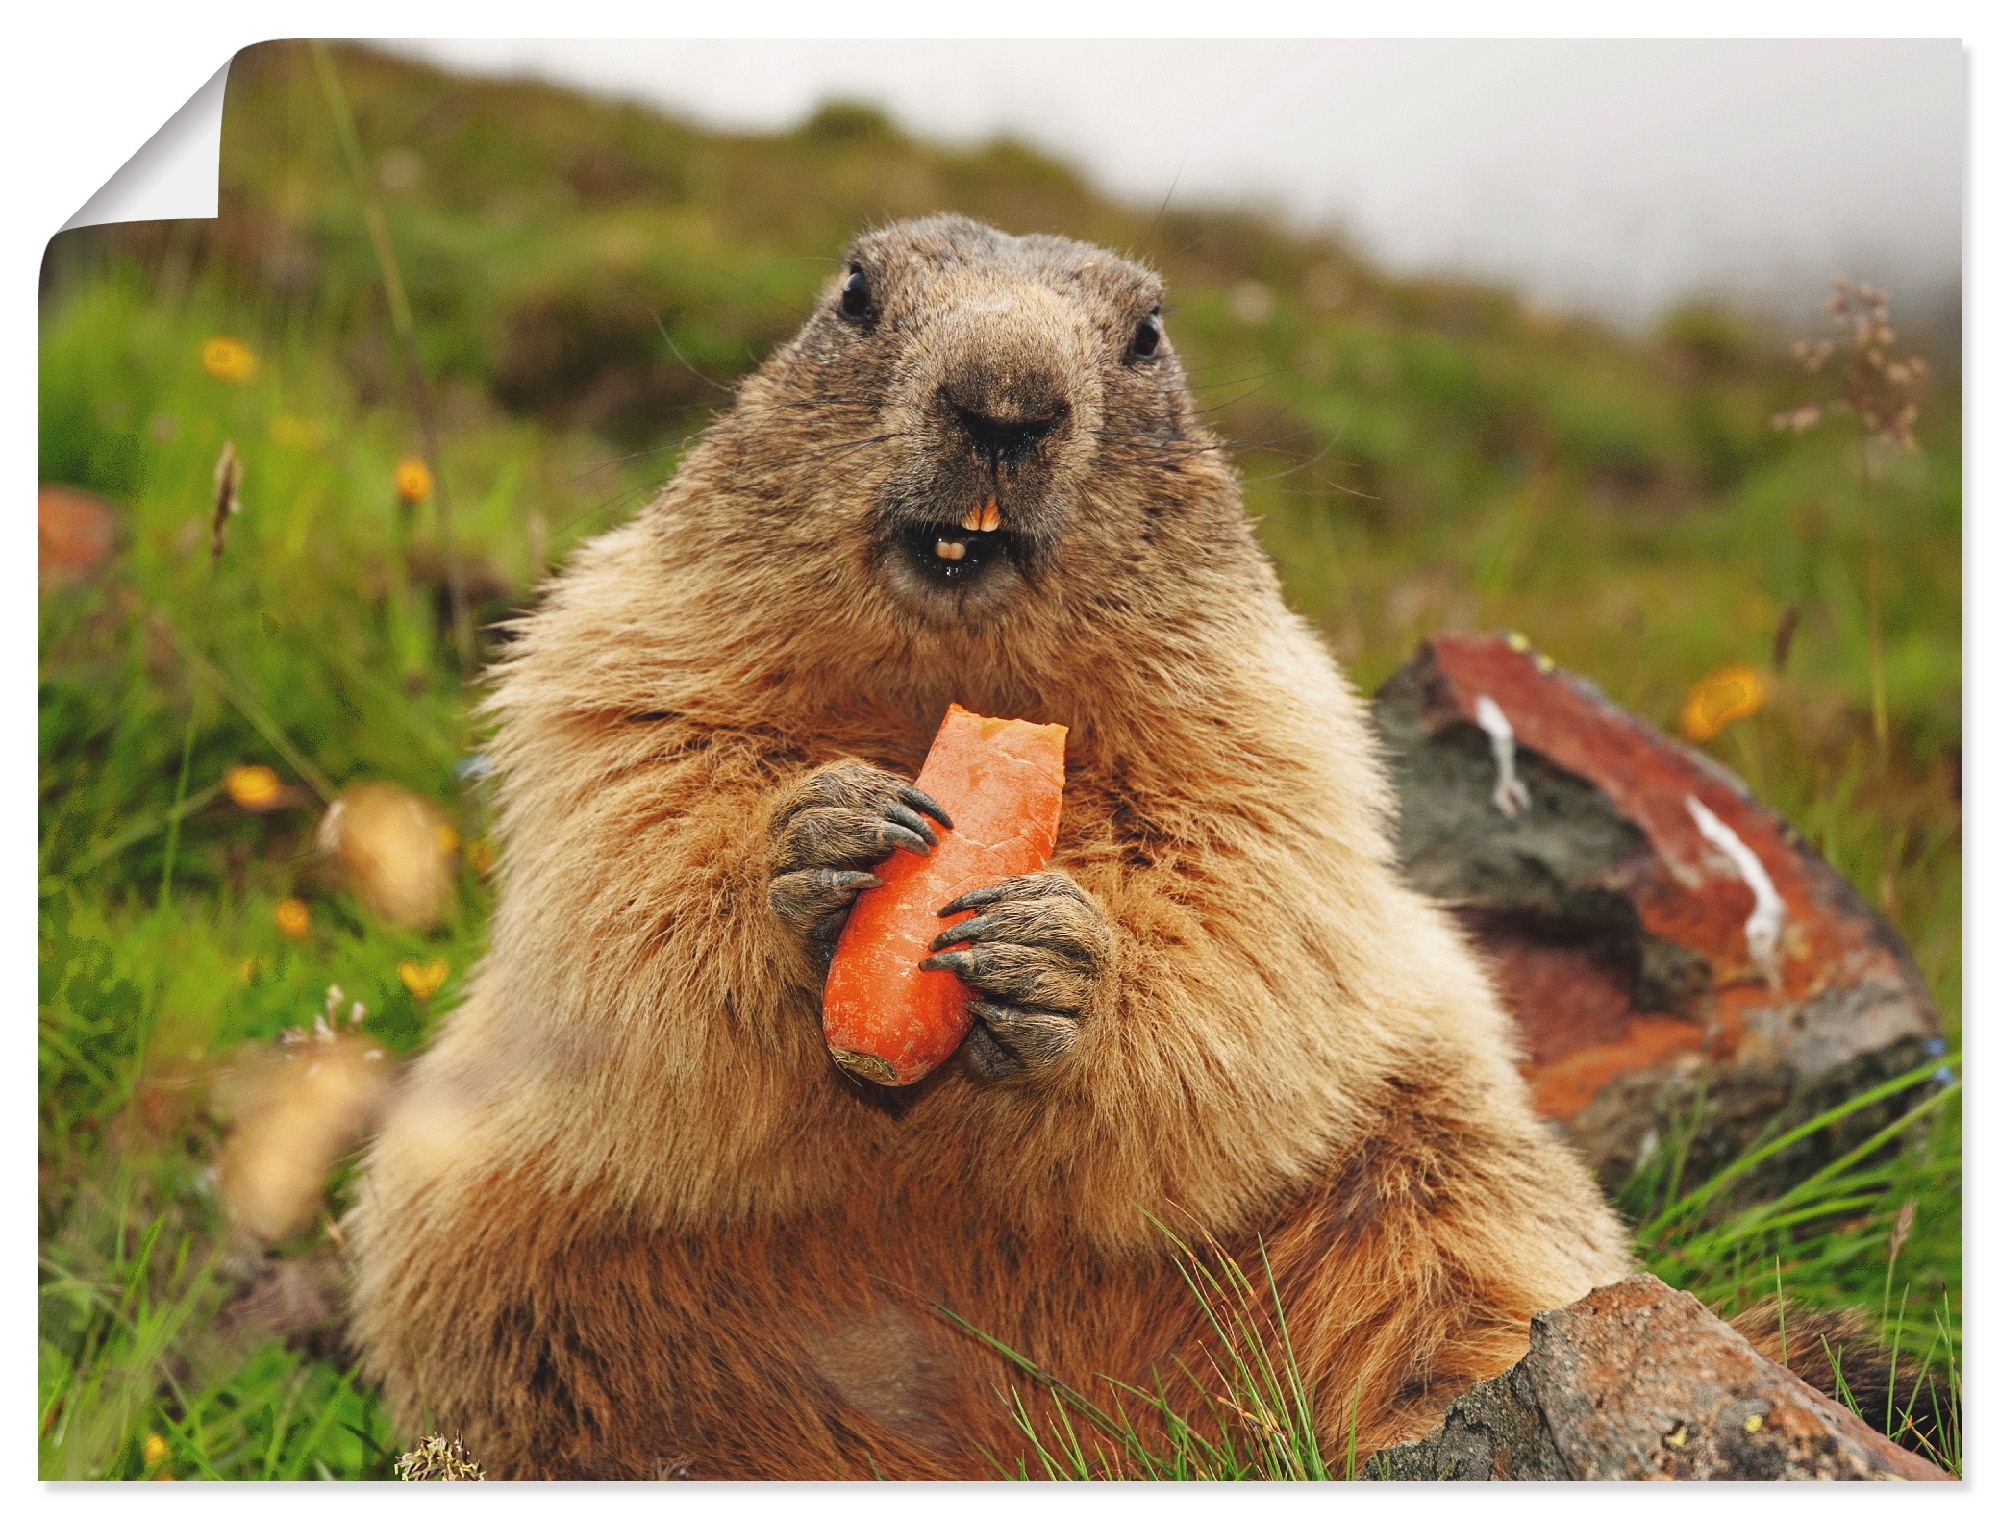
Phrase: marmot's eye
pixel 854 295
pixel 1146 341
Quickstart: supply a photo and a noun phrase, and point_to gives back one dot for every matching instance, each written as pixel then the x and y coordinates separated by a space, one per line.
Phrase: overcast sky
pixel 1615 176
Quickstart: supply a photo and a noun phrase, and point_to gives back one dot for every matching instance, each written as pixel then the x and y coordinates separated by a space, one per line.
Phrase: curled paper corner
pixel 175 175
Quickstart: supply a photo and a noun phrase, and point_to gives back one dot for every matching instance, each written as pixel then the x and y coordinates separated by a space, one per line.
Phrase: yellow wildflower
pixel 413 480
pixel 228 359
pixel 252 786
pixel 479 855
pixel 1719 699
pixel 294 917
pixel 422 980
pixel 156 1449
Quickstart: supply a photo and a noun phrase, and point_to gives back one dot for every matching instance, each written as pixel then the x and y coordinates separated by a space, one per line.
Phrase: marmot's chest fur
pixel 628 1209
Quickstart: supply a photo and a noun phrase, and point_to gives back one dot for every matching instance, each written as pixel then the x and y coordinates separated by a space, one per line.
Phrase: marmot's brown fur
pixel 629 1210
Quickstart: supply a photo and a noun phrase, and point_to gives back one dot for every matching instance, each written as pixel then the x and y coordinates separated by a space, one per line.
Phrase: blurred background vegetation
pixel 584 281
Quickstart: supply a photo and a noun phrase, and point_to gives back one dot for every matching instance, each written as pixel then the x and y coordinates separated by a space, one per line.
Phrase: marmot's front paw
pixel 1036 953
pixel 825 833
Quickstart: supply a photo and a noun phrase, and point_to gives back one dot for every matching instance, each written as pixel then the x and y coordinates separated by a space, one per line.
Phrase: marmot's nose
pixel 1006 438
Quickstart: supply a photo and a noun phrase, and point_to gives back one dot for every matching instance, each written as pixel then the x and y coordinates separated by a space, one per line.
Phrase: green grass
pixel 1419 456
pixel 1827 1241
pixel 1246 1415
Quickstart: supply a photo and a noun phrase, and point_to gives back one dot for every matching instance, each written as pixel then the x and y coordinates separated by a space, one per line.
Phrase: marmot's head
pixel 969 418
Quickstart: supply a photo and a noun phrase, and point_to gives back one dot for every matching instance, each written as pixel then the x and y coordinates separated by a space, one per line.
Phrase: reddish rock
pixel 1654 929
pixel 75 530
pixel 1638 1381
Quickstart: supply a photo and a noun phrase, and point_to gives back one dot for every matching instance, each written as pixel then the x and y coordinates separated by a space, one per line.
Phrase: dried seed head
pixel 1781 642
pixel 437 1459
pixel 1900 1234
pixel 228 476
pixel 1879 388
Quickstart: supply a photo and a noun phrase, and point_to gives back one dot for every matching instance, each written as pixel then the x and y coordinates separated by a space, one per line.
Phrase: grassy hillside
pixel 585 280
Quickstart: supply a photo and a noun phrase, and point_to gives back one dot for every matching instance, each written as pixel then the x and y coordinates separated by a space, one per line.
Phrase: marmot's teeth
pixel 984 518
pixel 946 549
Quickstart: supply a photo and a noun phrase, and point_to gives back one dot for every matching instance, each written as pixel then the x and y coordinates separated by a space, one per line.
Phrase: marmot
pixel 628 1210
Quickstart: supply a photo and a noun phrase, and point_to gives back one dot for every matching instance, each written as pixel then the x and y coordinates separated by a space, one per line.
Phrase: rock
pixel 75 531
pixel 1659 935
pixel 1641 1381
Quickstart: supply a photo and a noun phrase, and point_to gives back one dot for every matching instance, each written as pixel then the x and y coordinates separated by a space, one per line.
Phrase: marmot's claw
pixel 986 1057
pixel 923 803
pixel 828 829
pixel 1009 1040
pixel 907 818
pixel 899 837
pixel 1035 888
pixel 1035 954
pixel 1038 976
pixel 840 838
pixel 1018 923
pixel 815 903
pixel 971 931
pixel 972 899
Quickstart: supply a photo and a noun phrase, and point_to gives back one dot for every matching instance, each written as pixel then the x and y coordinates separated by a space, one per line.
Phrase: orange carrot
pixel 1001 783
